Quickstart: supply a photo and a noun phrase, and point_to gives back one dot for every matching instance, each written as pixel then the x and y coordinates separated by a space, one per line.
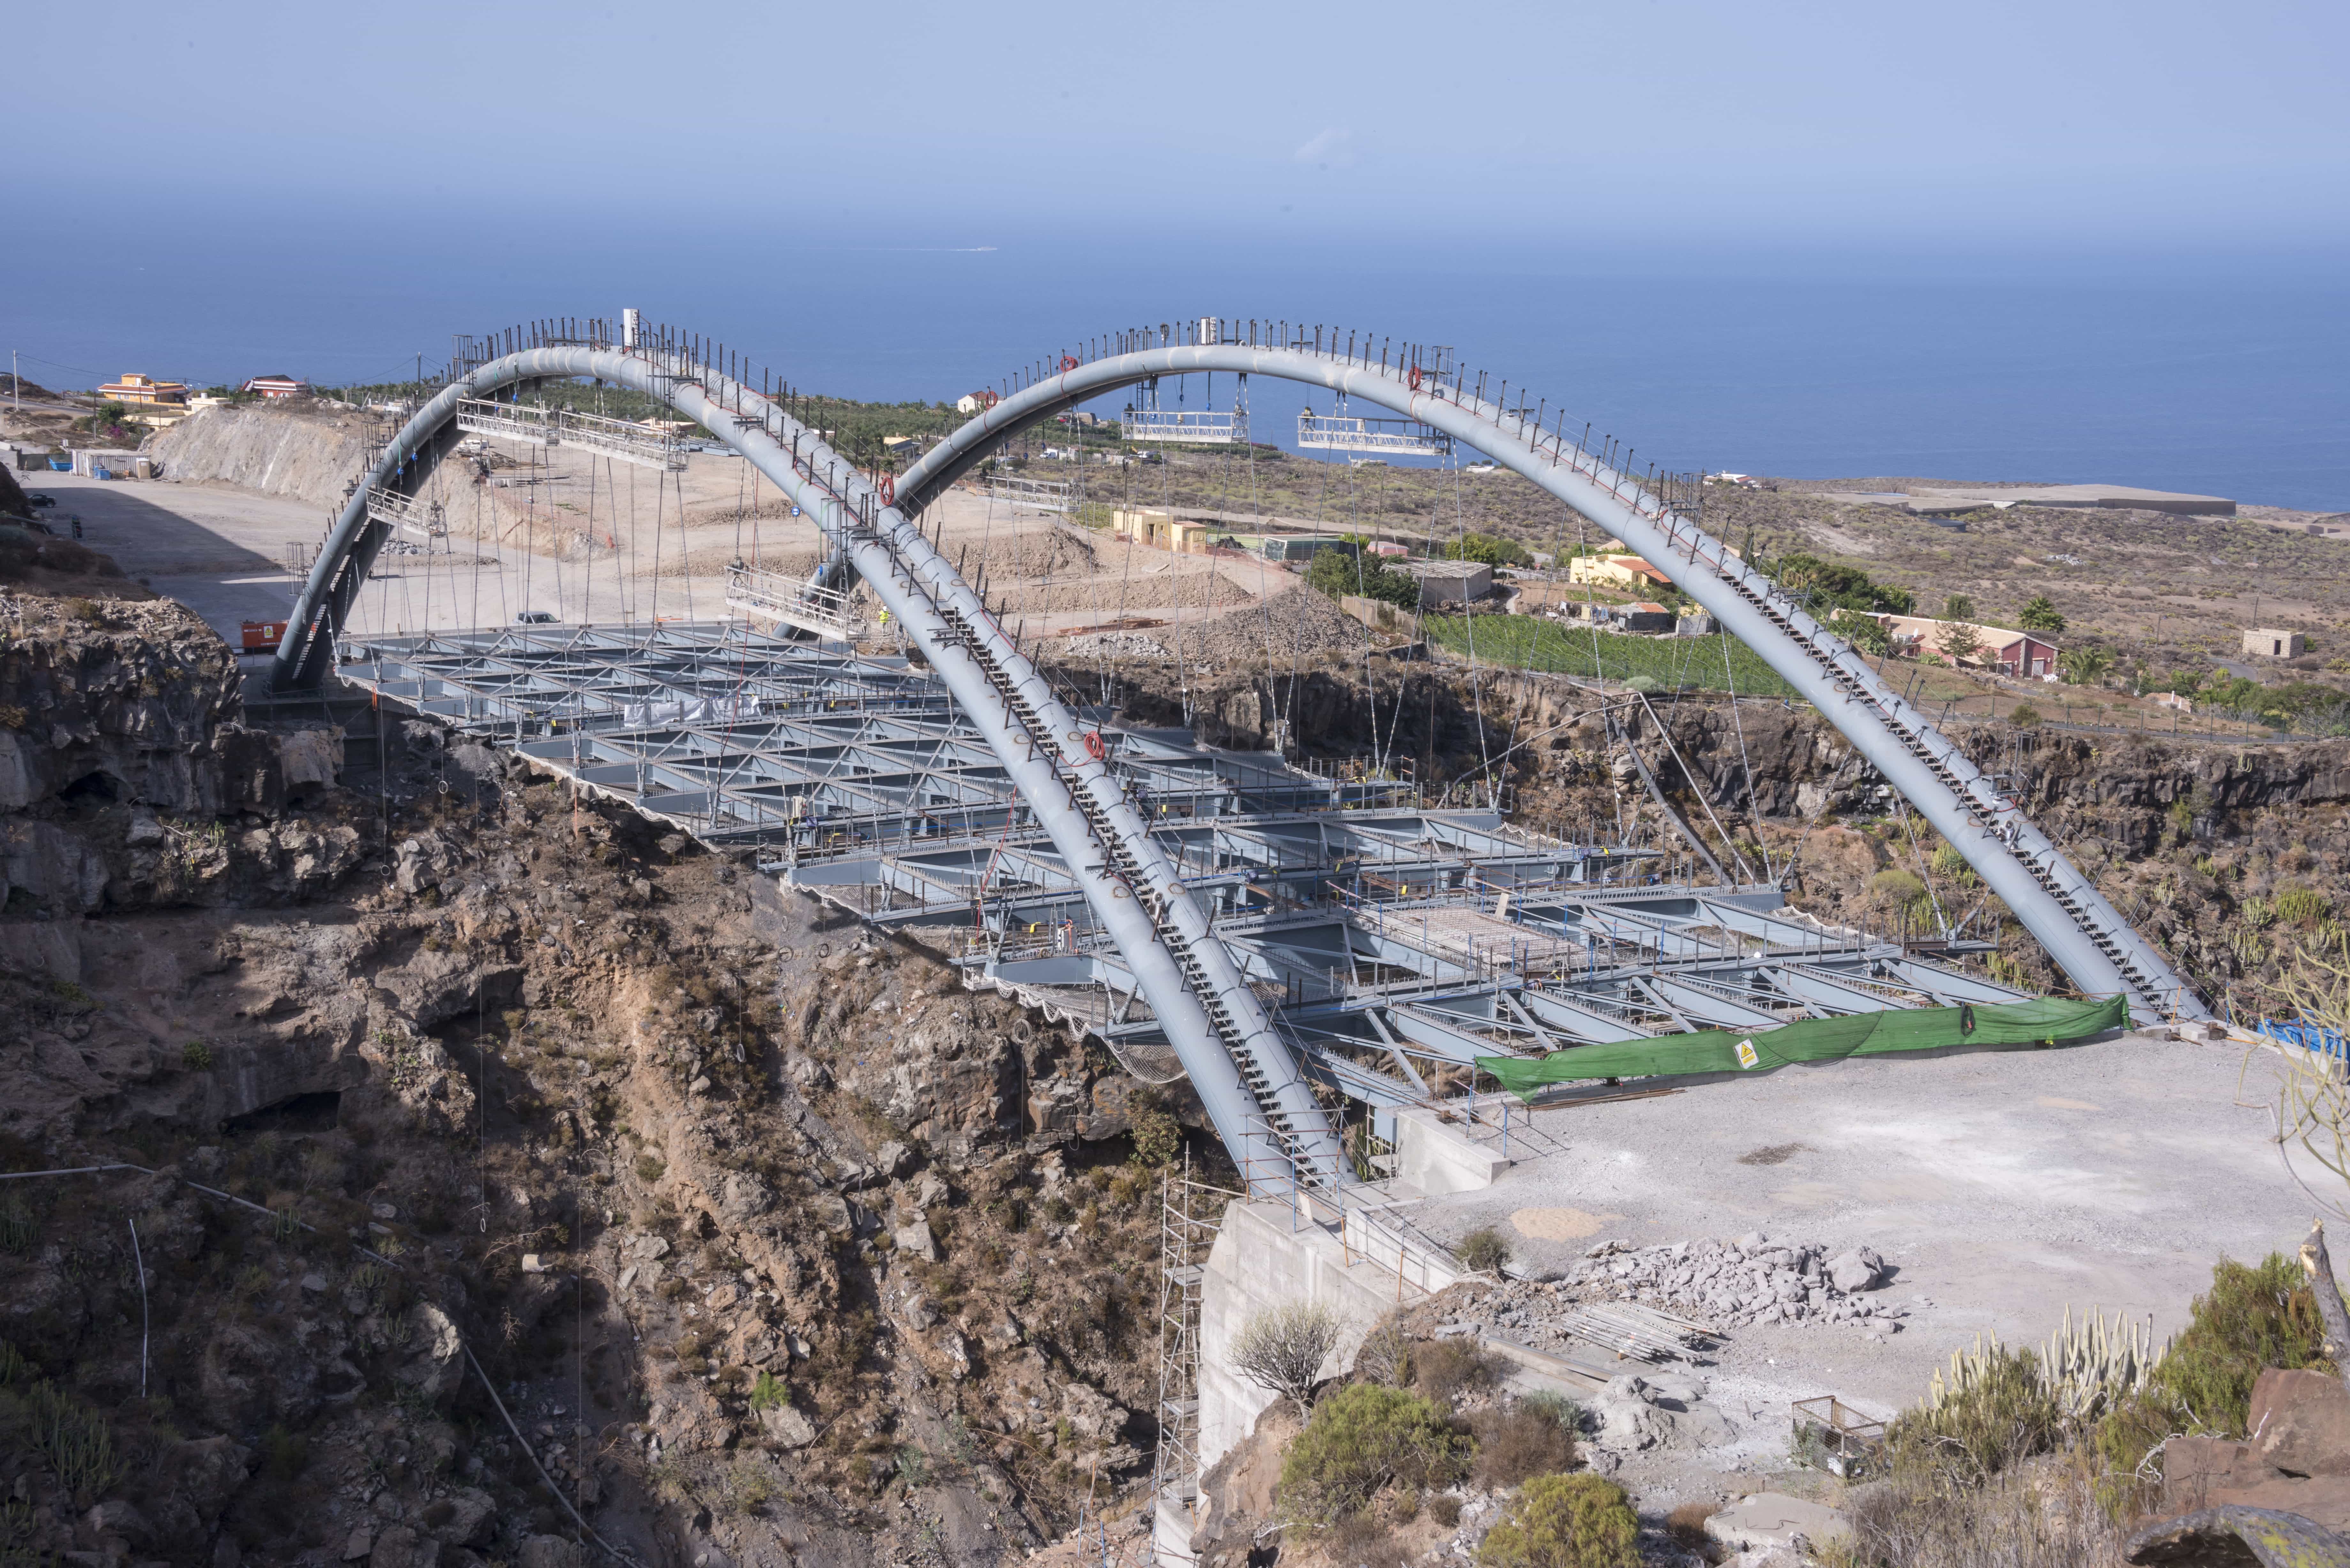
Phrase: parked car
pixel 39 498
pixel 534 617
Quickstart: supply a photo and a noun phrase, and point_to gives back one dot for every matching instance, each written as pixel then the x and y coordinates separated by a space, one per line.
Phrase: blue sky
pixel 2095 126
pixel 2062 240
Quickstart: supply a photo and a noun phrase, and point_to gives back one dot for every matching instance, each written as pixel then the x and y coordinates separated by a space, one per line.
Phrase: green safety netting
pixel 2045 1021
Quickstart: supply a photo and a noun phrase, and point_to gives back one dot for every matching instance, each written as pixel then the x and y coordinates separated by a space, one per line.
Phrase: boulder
pixel 744 1196
pixel 398 1546
pixel 435 1363
pixel 546 1551
pixel 465 1518
pixel 786 1427
pixel 2300 1422
pixel 1857 1270
pixel 119 1518
pixel 917 1240
pixel 2226 1537
pixel 1774 1519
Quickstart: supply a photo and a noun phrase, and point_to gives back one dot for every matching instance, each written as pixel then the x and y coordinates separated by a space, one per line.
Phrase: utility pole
pixel 15 383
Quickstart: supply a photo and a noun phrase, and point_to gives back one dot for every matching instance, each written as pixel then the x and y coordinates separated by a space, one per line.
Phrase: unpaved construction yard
pixel 1999 1186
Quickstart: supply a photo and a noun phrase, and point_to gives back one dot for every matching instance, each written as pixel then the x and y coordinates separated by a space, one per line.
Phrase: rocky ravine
pixel 730 1203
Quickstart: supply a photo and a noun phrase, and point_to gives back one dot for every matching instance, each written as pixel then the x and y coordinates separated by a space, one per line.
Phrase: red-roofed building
pixel 277 387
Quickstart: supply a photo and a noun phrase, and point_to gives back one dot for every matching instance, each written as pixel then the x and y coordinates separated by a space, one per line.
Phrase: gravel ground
pixel 2000 1187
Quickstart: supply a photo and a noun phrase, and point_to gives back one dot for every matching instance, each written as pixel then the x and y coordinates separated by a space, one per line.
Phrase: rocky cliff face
pixel 127 782
pixel 288 448
pixel 536 1162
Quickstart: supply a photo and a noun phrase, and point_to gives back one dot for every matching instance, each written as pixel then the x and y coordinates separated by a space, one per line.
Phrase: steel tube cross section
pixel 1245 1075
pixel 2085 934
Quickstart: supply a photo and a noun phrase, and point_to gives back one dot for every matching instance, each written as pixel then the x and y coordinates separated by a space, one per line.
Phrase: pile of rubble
pixel 1752 1280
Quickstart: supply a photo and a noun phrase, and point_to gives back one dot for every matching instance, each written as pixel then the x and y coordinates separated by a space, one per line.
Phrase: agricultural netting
pixel 2045 1020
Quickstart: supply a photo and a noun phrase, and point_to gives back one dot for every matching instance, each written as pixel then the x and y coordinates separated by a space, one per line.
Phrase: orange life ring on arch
pixel 987 400
pixel 1068 362
pixel 1415 378
pixel 888 490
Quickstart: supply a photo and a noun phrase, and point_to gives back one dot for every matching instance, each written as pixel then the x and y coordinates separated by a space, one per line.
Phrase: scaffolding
pixel 628 441
pixel 1190 1214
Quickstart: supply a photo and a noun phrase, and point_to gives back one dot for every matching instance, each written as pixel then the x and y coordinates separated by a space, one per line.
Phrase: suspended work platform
pixel 627 441
pixel 1029 494
pixel 407 513
pixel 1152 426
pixel 795 602
pixel 1389 438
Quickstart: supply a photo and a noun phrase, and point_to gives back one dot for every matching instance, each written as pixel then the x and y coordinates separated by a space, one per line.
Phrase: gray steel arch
pixel 1244 1074
pixel 2085 934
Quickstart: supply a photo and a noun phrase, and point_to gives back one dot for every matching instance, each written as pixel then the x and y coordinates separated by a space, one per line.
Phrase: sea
pixel 2217 374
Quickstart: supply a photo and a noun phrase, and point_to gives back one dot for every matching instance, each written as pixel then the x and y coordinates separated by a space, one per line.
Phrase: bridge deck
pixel 1392 943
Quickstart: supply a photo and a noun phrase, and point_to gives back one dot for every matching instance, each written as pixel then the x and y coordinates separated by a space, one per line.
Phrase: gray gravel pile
pixel 1116 645
pixel 1299 623
pixel 1752 1280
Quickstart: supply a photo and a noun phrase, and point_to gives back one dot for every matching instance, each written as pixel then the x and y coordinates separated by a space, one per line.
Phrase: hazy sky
pixel 1687 129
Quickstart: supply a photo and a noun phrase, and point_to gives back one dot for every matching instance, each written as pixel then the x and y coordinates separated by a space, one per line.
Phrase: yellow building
pixel 1165 531
pixel 135 388
pixel 1615 572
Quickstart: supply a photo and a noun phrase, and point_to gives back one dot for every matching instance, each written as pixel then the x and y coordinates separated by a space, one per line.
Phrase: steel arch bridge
pixel 1246 1076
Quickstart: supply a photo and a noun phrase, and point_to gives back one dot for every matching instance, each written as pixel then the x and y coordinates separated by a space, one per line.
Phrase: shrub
pixel 2024 716
pixel 2000 1416
pixel 1158 1137
pixel 1895 886
pixel 1565 1521
pixel 1520 1442
pixel 2249 1319
pixel 1281 1348
pixel 1385 1356
pixel 1441 1368
pixel 2302 906
pixel 1361 1439
pixel 2040 614
pixel 196 1056
pixel 1445 1508
pixel 649 1168
pixel 768 1392
pixel 1484 1250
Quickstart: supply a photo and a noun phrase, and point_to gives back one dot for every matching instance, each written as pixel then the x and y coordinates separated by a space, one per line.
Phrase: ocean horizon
pixel 2214 377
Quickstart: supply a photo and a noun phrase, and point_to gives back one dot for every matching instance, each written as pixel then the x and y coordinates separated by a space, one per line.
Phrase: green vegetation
pixel 1958 607
pixel 1158 1137
pixel 1483 1250
pixel 2305 705
pixel 1953 1485
pixel 2084 666
pixel 1490 548
pixel 769 1393
pixel 196 1056
pixel 1846 587
pixel 1960 642
pixel 2040 614
pixel 1362 1438
pixel 2023 715
pixel 1336 573
pixel 1565 1521
pixel 1675 663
